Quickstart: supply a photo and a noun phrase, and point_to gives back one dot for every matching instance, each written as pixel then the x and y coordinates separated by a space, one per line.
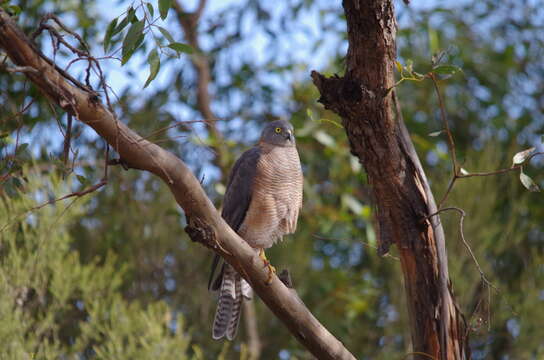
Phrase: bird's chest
pixel 278 173
pixel 276 198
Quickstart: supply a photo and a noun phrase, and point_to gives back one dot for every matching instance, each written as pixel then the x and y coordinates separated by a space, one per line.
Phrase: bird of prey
pixel 262 203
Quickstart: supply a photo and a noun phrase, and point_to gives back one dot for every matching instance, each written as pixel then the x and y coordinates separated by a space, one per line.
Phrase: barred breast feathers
pixel 277 197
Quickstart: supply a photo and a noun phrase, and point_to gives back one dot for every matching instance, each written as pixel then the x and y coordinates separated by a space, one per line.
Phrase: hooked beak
pixel 289 135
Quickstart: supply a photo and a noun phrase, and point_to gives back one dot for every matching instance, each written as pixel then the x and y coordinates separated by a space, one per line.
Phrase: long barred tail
pixel 227 316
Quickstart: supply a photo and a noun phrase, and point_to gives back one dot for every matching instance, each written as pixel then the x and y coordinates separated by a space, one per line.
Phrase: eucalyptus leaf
pixel 109 34
pixel 166 34
pixel 528 182
pixel 164 6
pixel 154 62
pixel 446 69
pixel 131 39
pixel 150 9
pixel 179 47
pixel 521 156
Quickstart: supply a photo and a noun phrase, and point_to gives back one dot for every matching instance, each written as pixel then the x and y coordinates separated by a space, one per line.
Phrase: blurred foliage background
pixel 113 275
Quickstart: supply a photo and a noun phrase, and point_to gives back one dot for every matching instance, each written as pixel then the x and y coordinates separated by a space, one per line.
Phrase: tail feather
pixel 247 291
pixel 227 315
pixel 232 327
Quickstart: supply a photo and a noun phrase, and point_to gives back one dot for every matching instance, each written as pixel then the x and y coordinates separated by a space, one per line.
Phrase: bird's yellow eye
pixel 278 130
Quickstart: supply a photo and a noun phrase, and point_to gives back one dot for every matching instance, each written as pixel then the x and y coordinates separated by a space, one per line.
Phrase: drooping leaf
pixel 446 69
pixel 154 62
pixel 179 47
pixel 166 34
pixel 528 182
pixel 433 40
pixel 164 6
pixel 521 156
pixel 109 34
pixel 120 26
pixel 150 9
pixel 131 39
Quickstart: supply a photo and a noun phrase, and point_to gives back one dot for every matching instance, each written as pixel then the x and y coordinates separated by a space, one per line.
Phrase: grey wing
pixel 237 199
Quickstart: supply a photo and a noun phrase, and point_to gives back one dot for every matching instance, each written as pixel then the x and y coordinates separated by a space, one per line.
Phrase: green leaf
pixel 120 26
pixel 521 156
pixel 109 34
pixel 433 40
pixel 131 39
pixel 164 6
pixel 166 34
pixel 436 133
pixel 179 47
pixel 150 9
pixel 446 69
pixel 154 66
pixel 132 15
pixel 528 182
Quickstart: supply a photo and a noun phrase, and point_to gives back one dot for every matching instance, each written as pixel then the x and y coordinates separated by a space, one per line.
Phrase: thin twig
pixel 465 243
pixel 451 143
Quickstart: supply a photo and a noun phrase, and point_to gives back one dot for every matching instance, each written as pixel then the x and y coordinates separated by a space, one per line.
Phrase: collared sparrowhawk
pixel 262 203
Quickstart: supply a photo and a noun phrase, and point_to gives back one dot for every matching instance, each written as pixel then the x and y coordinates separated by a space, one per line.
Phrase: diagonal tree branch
pixel 205 223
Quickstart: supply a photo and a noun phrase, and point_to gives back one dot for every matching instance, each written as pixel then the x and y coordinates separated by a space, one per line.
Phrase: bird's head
pixel 279 132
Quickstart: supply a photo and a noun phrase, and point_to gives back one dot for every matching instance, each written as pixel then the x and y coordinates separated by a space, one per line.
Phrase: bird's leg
pixel 271 269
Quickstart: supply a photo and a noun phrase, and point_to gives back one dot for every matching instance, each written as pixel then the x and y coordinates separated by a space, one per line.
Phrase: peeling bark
pixel 364 100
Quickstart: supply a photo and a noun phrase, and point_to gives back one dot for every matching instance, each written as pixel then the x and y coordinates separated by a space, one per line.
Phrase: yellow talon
pixel 271 269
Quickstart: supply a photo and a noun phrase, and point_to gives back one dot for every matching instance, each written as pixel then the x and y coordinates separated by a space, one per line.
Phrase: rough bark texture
pixel 400 190
pixel 205 223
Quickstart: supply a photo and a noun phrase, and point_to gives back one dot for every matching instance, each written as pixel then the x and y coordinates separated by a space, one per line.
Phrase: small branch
pixel 451 143
pixel 462 215
pixel 81 193
pixel 500 171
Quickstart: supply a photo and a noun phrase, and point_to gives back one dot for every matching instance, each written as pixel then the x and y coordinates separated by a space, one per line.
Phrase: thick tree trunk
pixel 400 189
